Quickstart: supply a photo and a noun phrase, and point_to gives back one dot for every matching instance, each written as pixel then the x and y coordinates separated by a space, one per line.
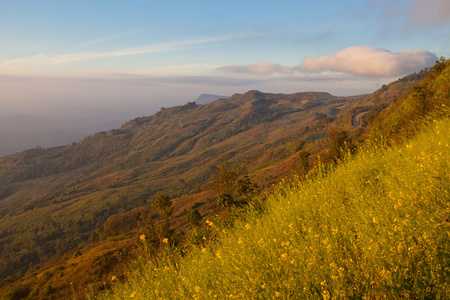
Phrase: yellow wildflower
pixel 142 237
pixel 133 294
pixel 165 240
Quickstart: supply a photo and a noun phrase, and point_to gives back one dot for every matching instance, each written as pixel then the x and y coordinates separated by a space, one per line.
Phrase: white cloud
pixel 260 68
pixel 65 58
pixel 101 40
pixel 370 62
pixel 432 13
pixel 80 56
pixel 40 58
pixel 362 61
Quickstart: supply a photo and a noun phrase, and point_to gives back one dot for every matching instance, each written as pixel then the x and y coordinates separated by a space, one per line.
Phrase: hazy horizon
pixel 121 60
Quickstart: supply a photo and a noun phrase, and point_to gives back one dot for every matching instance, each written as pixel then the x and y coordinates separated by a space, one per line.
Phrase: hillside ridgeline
pixel 71 214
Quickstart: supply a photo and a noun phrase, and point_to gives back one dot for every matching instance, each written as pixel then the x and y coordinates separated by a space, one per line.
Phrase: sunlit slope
pixel 428 100
pixel 374 226
pixel 53 200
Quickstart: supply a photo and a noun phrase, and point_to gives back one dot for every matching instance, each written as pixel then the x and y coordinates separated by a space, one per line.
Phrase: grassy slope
pixel 375 225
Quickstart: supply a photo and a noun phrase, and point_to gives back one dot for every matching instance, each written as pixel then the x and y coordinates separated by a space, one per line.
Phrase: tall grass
pixel 375 226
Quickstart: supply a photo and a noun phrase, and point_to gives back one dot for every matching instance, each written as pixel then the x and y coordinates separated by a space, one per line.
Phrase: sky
pixel 138 56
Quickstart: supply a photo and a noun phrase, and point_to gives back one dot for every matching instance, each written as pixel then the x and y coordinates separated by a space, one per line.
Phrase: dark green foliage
pixel 163 203
pixel 323 119
pixel 194 218
pixel 304 162
pixel 338 143
pixel 197 205
pixel 148 227
pixel 245 189
pixel 224 179
pixel 225 200
pixel 154 231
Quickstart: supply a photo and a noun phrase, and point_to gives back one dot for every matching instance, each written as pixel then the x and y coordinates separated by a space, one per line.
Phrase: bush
pixel 194 218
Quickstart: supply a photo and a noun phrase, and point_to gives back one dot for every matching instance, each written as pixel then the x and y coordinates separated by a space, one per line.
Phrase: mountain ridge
pixel 67 194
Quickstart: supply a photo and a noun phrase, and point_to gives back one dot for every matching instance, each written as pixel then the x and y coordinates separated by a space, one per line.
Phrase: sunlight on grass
pixel 375 226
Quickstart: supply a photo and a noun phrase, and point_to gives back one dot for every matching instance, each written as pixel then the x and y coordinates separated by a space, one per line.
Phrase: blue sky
pixel 148 54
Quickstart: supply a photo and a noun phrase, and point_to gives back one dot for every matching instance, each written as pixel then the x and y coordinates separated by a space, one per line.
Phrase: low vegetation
pixel 374 226
pixel 369 226
pixel 359 213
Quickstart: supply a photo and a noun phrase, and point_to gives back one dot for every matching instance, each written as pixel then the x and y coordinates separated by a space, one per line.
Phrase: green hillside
pixel 72 216
pixel 373 226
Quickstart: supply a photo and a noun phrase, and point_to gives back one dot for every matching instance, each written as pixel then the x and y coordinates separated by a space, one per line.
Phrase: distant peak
pixel 206 98
pixel 254 92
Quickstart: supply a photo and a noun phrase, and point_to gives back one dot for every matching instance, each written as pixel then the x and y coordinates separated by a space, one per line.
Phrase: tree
pixel 194 218
pixel 338 143
pixel 231 190
pixel 224 179
pixel 245 188
pixel 304 161
pixel 225 200
pixel 154 232
pixel 163 203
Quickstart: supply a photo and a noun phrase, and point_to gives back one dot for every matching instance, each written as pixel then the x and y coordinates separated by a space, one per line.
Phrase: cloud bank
pixel 364 61
pixel 369 61
pixel 260 68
